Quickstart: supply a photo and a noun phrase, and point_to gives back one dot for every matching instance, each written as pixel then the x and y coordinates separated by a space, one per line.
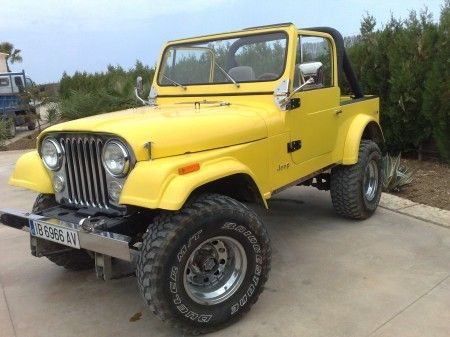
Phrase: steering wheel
pixel 267 76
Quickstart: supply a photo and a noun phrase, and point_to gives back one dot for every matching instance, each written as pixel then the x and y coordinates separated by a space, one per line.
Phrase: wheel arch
pixel 163 187
pixel 239 186
pixel 362 127
pixel 373 132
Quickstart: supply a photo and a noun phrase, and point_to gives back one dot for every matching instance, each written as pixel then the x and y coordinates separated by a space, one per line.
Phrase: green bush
pixel 3 133
pixel 406 64
pixel 84 94
pixel 53 114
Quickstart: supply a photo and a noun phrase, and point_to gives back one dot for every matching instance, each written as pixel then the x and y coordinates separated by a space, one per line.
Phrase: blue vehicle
pixel 14 110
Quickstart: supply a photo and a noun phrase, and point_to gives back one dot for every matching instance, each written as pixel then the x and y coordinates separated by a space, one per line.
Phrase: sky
pixel 87 35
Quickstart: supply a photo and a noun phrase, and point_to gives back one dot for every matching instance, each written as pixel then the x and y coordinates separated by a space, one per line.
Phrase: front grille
pixel 84 172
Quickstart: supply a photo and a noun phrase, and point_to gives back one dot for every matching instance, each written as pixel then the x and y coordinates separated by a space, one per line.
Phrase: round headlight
pixel 52 154
pixel 58 183
pixel 114 190
pixel 115 158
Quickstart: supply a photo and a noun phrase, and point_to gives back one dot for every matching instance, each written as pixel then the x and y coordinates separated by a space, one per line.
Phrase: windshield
pixel 252 58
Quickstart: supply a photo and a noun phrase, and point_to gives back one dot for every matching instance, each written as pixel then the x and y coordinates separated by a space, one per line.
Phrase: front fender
pixel 354 136
pixel 31 173
pixel 159 185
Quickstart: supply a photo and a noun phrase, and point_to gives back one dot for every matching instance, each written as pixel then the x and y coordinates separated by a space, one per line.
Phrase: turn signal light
pixel 189 169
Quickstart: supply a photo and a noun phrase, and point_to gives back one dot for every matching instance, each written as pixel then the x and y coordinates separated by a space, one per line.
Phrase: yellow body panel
pixel 354 135
pixel 31 173
pixel 157 184
pixel 247 135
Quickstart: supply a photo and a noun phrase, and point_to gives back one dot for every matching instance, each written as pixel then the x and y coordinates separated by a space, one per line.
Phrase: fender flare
pixel 362 126
pixel 171 190
pixel 31 173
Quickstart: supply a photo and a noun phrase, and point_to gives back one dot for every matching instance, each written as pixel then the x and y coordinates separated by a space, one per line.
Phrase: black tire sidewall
pixel 237 226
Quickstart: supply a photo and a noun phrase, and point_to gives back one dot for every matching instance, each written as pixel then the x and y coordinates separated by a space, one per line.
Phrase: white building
pixel 3 68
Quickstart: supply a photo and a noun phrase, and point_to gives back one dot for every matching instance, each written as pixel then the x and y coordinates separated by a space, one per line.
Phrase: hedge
pixel 406 63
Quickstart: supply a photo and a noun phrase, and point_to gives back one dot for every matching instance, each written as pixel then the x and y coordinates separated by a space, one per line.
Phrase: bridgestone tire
pixel 347 184
pixel 75 259
pixel 168 245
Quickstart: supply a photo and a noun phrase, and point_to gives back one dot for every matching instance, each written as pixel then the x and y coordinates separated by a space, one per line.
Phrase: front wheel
pixel 201 268
pixel 356 189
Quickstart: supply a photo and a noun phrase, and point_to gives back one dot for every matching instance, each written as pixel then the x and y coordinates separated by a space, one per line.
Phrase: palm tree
pixel 13 54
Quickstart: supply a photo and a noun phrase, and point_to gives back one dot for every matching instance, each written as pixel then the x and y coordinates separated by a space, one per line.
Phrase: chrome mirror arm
pixel 296 90
pixel 143 101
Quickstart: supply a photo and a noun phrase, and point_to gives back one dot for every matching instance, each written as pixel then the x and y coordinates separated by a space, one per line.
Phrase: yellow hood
pixel 175 129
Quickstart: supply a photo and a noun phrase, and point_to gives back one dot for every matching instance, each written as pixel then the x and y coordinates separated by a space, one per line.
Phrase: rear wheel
pixel 356 189
pixel 203 267
pixel 72 259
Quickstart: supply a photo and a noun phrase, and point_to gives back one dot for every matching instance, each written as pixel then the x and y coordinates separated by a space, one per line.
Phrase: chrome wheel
pixel 215 270
pixel 370 183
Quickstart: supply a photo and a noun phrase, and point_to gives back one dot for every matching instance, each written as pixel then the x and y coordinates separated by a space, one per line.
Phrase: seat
pixel 242 73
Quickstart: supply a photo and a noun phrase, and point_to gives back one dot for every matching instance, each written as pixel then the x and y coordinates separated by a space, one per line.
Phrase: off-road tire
pixel 75 259
pixel 174 236
pixel 347 190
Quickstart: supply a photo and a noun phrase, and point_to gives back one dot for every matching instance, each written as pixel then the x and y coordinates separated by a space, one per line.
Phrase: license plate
pixel 57 234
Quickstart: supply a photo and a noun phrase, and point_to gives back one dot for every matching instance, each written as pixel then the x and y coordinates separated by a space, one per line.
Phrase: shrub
pixel 83 94
pixel 4 133
pixel 53 114
pixel 405 63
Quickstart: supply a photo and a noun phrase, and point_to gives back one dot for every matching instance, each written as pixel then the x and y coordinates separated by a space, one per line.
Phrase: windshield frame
pixel 228 37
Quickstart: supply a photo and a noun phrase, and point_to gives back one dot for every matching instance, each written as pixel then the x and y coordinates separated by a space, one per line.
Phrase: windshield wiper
pixel 228 75
pixel 174 83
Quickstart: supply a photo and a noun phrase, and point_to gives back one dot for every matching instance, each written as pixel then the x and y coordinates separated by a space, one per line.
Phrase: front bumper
pixel 99 241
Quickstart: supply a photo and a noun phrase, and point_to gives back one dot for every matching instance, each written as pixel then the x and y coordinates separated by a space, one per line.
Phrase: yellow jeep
pixel 231 119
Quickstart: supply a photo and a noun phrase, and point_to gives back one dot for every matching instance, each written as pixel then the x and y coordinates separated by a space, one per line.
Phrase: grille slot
pixel 86 178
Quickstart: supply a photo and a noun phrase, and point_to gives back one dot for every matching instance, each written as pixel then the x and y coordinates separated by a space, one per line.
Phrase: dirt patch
pixel 431 184
pixel 28 142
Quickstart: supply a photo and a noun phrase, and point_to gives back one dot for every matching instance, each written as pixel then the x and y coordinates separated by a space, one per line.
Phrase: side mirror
pixel 139 85
pixel 286 100
pixel 307 82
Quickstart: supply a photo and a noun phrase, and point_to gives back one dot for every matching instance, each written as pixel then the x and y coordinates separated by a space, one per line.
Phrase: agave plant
pixel 394 174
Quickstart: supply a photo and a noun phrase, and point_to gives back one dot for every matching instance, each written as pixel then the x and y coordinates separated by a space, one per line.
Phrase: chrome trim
pixel 152 96
pixel 102 179
pixel 281 93
pixel 59 153
pixel 108 243
pixel 84 172
pixel 125 154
